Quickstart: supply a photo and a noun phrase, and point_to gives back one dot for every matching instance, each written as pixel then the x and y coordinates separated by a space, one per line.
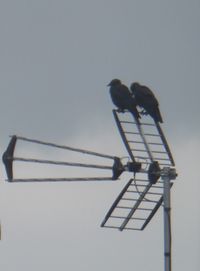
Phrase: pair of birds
pixel 139 95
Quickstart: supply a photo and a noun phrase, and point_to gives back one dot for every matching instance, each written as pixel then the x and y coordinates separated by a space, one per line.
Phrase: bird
pixel 122 98
pixel 147 100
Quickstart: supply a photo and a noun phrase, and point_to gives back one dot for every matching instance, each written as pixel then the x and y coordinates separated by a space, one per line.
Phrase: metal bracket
pixel 154 172
pixel 8 157
pixel 169 173
pixel 118 168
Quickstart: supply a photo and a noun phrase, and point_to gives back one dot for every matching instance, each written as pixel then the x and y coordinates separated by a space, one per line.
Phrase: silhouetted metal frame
pixel 155 209
pixel 139 127
pixel 142 196
pixel 116 202
pixel 134 208
pixel 123 136
pixel 132 211
pixel 122 133
pixel 8 159
pixel 164 140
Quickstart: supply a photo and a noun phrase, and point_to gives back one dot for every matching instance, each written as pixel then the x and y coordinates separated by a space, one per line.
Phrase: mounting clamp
pixel 169 173
pixel 154 172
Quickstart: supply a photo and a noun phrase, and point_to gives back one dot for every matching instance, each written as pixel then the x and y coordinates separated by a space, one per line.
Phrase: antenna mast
pixel 167 175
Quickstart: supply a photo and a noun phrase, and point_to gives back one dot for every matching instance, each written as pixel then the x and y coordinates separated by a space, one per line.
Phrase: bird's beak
pixel 108 85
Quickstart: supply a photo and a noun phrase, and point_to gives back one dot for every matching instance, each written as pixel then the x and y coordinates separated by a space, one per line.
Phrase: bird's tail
pixel 158 117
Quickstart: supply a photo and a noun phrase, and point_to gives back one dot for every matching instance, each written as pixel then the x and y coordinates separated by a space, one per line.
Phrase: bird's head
pixel 134 85
pixel 114 82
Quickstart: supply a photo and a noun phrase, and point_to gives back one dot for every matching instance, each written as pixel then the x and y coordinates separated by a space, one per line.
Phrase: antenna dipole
pixel 145 193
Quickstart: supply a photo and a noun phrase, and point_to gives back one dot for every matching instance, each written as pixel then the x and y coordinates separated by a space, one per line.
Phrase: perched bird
pixel 122 98
pixel 146 99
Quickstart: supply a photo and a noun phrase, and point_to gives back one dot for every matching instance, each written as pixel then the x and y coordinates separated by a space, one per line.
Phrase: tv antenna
pixel 151 165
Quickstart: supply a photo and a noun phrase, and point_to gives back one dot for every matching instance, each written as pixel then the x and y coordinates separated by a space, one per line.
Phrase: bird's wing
pixel 124 89
pixel 118 97
pixel 146 92
pixel 148 96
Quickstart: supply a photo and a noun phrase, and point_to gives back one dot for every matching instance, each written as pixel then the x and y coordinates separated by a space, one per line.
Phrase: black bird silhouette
pixel 122 98
pixel 146 99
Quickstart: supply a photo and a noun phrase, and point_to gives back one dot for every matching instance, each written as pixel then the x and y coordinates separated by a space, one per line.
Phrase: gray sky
pixel 56 59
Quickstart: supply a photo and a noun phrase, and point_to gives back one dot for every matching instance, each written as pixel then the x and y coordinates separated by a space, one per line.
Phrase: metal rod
pixel 130 122
pixel 65 147
pixel 167 222
pixel 59 163
pixel 140 180
pixel 135 141
pixel 111 227
pixel 132 229
pixel 145 181
pixel 128 208
pixel 148 124
pixel 144 209
pixel 131 133
pixel 129 199
pixel 155 143
pixel 160 164
pixel 115 227
pixel 161 152
pixel 122 217
pixel 162 159
pixel 124 207
pixel 140 200
pixel 143 185
pixel 142 157
pixel 146 134
pixel 155 158
pixel 60 179
pixel 138 150
pixel 149 193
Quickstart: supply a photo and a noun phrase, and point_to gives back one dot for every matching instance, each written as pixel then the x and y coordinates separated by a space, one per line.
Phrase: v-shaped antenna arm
pixel 8 157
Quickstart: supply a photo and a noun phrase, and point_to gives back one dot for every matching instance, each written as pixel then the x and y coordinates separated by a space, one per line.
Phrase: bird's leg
pixel 144 112
pixel 119 110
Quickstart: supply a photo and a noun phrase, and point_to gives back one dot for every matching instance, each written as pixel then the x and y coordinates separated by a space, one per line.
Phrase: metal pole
pixel 167 220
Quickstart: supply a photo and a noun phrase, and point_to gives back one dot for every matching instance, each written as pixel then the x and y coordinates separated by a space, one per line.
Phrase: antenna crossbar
pixel 78 179
pixel 65 147
pixel 60 163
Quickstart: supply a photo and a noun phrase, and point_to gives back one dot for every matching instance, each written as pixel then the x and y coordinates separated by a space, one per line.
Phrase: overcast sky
pixel 56 58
